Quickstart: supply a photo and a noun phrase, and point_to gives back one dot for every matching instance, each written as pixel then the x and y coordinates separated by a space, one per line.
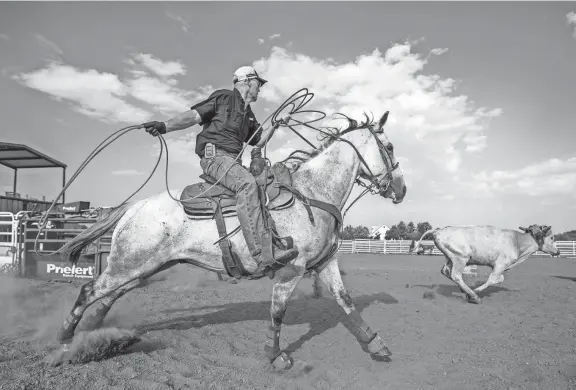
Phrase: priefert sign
pixel 70 272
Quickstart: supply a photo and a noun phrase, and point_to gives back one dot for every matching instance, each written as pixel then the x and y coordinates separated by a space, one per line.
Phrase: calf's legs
pixel 458 264
pixel 495 277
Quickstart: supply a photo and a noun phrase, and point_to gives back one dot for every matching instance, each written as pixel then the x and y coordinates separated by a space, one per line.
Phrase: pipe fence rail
pixel 397 247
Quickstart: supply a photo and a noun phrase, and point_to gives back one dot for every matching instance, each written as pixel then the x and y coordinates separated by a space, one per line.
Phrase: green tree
pixel 423 227
pixel 355 232
pixel 566 236
pixel 410 227
pixel 393 233
pixel 401 229
pixel 361 232
pixel 348 233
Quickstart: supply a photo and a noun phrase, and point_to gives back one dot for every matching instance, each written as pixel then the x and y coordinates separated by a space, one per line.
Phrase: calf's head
pixel 543 236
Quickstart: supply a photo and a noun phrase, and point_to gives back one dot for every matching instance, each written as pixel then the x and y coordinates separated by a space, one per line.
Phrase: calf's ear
pixel 523 229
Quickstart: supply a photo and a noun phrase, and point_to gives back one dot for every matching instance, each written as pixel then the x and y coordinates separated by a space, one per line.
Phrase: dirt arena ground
pixel 205 334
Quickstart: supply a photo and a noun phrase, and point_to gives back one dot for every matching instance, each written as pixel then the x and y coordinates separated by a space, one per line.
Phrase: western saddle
pixel 209 200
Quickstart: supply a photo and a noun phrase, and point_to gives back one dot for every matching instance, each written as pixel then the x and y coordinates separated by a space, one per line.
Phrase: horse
pixel 155 233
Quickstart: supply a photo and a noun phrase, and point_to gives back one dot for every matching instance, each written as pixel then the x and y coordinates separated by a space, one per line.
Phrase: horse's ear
pixel 383 120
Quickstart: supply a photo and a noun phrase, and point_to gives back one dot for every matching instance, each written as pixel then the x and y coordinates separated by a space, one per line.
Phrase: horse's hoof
pixel 377 347
pixel 58 357
pixel 283 362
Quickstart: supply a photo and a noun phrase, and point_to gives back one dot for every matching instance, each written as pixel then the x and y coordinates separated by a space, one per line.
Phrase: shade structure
pixel 19 156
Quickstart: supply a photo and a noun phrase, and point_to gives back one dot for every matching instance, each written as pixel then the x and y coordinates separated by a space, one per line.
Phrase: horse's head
pixel 380 166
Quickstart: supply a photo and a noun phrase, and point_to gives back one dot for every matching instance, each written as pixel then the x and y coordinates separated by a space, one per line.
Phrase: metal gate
pixel 8 239
pixel 60 230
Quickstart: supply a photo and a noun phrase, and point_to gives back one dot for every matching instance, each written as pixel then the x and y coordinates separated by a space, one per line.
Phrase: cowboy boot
pixel 273 255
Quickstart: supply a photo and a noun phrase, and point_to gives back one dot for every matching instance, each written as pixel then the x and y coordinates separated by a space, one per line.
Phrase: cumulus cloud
pixel 425 110
pixel 184 24
pixel 96 94
pixel 104 95
pixel 429 120
pixel 547 178
pixel 154 82
pixel 164 97
pixel 438 51
pixel 159 67
pixel 270 38
pixel 571 17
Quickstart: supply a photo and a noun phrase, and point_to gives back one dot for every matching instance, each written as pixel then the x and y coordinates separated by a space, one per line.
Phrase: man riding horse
pixel 228 122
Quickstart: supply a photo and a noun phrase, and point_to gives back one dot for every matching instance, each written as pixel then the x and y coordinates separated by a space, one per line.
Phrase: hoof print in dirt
pixel 429 295
pixel 94 346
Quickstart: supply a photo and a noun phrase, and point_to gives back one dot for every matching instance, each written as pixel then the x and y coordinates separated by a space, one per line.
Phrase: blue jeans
pixel 240 180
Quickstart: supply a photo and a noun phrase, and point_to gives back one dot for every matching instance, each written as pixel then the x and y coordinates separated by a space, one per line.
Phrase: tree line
pixel 411 231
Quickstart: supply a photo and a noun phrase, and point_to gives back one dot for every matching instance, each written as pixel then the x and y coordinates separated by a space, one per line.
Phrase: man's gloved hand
pixel 154 128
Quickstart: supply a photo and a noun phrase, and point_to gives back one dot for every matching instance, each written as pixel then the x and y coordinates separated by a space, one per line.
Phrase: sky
pixel 481 95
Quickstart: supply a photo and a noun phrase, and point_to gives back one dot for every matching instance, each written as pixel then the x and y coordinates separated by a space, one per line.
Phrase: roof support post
pixel 14 186
pixel 63 185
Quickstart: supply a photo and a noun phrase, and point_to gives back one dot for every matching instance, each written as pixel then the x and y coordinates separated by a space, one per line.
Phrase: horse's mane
pixel 299 157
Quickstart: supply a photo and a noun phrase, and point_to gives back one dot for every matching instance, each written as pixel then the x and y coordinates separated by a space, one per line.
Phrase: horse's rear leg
pixel 96 320
pixel 89 293
pixel 105 284
pixel 111 285
pixel 330 275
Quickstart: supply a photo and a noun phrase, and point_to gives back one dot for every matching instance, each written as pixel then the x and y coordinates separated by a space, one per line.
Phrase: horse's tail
pixel 71 250
pixel 415 249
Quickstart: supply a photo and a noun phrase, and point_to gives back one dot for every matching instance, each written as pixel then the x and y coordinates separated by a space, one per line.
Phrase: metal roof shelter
pixel 18 156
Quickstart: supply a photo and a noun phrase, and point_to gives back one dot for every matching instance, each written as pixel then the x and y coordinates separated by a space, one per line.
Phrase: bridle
pixel 382 185
pixel 377 185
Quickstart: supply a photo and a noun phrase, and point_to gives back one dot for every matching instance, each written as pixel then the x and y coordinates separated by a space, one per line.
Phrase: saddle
pixel 210 200
pixel 200 200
